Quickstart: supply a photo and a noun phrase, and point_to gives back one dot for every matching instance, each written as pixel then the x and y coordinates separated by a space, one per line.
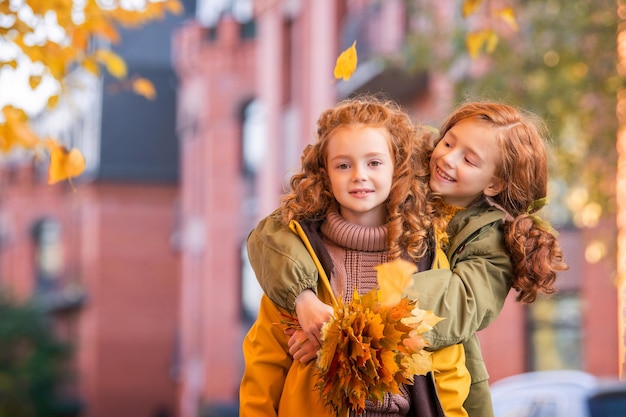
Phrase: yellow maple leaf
pixel 144 87
pixel 481 40
pixel 470 6
pixel 346 63
pixel 508 15
pixel 64 164
pixel 393 279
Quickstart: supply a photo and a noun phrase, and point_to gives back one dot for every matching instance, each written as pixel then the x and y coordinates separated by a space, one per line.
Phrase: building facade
pixel 251 90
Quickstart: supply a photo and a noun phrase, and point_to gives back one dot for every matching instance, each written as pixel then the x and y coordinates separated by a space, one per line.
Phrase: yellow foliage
pixel 374 343
pixel 64 164
pixel 144 87
pixel 508 15
pixel 346 63
pixel 34 81
pixel 16 131
pixel 113 62
pixel 57 59
pixel 476 42
pixel 470 6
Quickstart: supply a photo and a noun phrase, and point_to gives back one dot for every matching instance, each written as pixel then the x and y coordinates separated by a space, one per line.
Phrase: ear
pixel 494 188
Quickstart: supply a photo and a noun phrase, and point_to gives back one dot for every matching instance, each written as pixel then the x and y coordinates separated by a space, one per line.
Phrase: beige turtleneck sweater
pixel 355 251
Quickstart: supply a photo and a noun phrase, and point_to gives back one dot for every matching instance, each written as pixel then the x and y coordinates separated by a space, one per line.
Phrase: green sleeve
pixel 470 296
pixel 280 262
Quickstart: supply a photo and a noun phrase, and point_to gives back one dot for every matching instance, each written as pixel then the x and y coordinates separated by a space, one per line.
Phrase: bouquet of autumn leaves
pixel 374 344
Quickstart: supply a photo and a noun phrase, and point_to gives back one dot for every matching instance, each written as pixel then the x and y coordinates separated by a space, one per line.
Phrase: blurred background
pixel 129 293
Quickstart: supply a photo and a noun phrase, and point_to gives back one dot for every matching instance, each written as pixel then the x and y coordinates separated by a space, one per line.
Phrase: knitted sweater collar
pixel 352 236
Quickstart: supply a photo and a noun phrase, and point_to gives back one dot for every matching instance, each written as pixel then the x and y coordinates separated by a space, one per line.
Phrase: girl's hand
pixel 301 348
pixel 312 314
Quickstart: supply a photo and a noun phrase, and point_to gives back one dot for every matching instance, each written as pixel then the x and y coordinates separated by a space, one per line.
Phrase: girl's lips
pixel 360 193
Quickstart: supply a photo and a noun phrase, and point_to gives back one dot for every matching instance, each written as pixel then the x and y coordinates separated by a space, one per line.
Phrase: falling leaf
pixel 482 40
pixel 144 87
pixel 64 164
pixel 470 6
pixel 508 15
pixel 393 279
pixel 346 63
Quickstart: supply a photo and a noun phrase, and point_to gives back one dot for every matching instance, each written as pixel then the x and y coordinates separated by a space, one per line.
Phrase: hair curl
pixel 535 252
pixel 408 214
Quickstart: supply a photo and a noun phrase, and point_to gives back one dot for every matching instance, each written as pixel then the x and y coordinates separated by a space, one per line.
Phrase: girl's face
pixel 360 169
pixel 463 164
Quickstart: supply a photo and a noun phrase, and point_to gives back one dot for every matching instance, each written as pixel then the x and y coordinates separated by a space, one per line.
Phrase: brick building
pixel 101 257
pixel 250 91
pixel 144 265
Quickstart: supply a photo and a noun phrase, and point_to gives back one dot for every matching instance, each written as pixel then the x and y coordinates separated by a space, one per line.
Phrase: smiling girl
pixel 489 176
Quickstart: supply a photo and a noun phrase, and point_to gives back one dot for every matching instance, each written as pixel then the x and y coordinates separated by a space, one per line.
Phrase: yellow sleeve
pixel 452 379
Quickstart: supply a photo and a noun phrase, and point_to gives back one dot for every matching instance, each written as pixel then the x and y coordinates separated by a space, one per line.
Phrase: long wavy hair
pixel 407 212
pixel 523 169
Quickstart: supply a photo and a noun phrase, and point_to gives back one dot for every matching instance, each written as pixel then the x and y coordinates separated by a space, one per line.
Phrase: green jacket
pixel 470 295
pixel 275 385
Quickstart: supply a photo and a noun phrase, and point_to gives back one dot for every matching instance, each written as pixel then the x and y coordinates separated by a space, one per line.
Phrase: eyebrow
pixel 367 155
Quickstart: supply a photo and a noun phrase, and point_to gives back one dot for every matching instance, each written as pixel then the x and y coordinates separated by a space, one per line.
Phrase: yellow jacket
pixel 275 385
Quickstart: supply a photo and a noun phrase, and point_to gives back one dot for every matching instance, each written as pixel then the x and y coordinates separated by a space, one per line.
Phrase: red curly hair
pixel 408 216
pixel 523 169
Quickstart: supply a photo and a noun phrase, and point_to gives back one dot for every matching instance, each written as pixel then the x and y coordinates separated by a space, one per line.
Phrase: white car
pixel 558 394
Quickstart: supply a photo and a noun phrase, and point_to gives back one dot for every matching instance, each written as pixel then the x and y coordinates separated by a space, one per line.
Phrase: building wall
pixel 116 256
pixel 210 115
pixel 295 47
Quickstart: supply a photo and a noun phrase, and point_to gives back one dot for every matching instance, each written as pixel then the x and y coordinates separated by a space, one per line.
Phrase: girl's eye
pixel 343 166
pixel 470 162
pixel 375 163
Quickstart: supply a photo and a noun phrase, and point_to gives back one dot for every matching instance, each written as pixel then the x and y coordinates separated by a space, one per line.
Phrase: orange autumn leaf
pixel 144 87
pixel 370 348
pixel 346 63
pixel 64 164
pixel 393 279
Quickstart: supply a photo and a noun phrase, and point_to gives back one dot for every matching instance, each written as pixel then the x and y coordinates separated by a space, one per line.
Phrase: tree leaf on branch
pixel 64 164
pixel 483 40
pixel 113 62
pixel 58 49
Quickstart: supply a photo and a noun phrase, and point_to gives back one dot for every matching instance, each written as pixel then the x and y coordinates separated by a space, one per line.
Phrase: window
pixel 555 332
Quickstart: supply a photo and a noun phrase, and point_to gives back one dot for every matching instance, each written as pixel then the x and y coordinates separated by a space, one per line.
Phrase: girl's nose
pixel 358 174
pixel 448 159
